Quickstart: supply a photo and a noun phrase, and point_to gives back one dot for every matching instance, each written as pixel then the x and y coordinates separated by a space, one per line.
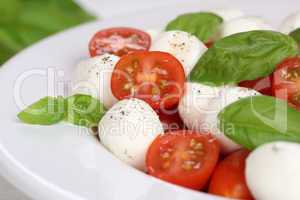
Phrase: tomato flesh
pixel 228 179
pixel 185 158
pixel 262 85
pixel 155 77
pixel 119 41
pixel 286 81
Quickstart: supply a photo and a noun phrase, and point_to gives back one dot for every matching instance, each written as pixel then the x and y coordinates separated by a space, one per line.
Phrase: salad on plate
pixel 210 103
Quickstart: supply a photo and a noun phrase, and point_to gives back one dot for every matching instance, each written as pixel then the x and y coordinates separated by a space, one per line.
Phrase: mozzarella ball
pixel 228 14
pixel 201 104
pixel 93 77
pixel 244 24
pixel 272 171
pixel 185 47
pixel 128 129
pixel 291 23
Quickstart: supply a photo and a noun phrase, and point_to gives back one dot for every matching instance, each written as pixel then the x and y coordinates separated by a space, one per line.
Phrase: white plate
pixel 62 162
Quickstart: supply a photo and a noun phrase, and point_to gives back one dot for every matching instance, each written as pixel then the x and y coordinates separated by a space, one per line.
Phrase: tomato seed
pixel 296 98
pixel 128 86
pixel 165 155
pixel 188 165
pixel 198 146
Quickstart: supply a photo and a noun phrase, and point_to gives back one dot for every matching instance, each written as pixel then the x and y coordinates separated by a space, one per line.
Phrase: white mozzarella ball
pixel 291 23
pixel 228 14
pixel 128 129
pixel 244 24
pixel 93 77
pixel 201 104
pixel 272 171
pixel 185 47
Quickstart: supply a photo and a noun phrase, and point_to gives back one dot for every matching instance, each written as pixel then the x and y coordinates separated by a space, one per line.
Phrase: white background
pixel 103 9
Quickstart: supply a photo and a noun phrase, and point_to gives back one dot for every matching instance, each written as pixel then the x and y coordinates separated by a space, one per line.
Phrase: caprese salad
pixel 211 103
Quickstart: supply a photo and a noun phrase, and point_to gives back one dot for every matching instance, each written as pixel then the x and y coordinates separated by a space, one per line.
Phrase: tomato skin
pixel 170 119
pixel 262 85
pixel 158 78
pixel 286 81
pixel 119 41
pixel 209 44
pixel 229 180
pixel 176 173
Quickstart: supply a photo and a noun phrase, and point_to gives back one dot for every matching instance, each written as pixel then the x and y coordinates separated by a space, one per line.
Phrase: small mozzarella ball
pixel 93 77
pixel 198 102
pixel 291 23
pixel 128 129
pixel 272 171
pixel 153 34
pixel 201 104
pixel 228 14
pixel 244 24
pixel 185 47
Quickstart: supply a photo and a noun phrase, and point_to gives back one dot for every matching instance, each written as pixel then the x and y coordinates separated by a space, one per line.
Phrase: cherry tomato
pixel 170 119
pixel 155 77
pixel 286 81
pixel 262 85
pixel 209 44
pixel 228 179
pixel 184 158
pixel 119 41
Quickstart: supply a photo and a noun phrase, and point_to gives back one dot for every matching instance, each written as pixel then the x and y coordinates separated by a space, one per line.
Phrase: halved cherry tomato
pixel 185 158
pixel 170 119
pixel 119 41
pixel 286 81
pixel 262 85
pixel 228 179
pixel 155 77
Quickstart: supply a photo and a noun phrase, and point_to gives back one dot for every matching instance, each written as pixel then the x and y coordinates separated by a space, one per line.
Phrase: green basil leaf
pixel 243 56
pixel 9 10
pixel 47 111
pixel 296 35
pixel 203 25
pixel 257 120
pixel 84 110
pixel 24 22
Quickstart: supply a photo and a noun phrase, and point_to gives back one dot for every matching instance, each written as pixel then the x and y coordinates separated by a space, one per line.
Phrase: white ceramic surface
pixel 61 162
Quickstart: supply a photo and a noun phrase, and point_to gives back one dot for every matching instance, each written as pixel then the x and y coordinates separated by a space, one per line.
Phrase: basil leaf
pixel 296 35
pixel 24 22
pixel 243 56
pixel 47 111
pixel 9 10
pixel 257 120
pixel 203 25
pixel 84 110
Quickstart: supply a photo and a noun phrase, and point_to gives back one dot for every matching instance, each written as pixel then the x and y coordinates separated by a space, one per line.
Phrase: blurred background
pixel 25 22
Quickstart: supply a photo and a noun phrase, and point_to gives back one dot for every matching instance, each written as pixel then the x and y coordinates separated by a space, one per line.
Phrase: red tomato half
pixel 262 85
pixel 171 120
pixel 155 77
pixel 184 158
pixel 228 179
pixel 286 81
pixel 119 41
